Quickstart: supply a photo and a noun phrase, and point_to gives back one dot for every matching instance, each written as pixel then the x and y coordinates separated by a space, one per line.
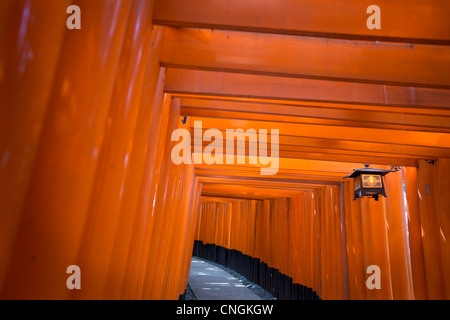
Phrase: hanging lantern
pixel 369 182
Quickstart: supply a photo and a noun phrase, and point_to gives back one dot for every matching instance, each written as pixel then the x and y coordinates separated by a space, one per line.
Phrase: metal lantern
pixel 369 182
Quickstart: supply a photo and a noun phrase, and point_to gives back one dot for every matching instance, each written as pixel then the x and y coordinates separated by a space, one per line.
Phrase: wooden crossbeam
pixel 327 145
pixel 410 110
pixel 313 114
pixel 411 138
pixel 201 82
pixel 327 156
pixel 285 173
pixel 304 181
pixel 301 166
pixel 285 185
pixel 307 57
pixel 299 148
pixel 248 191
pixel 413 21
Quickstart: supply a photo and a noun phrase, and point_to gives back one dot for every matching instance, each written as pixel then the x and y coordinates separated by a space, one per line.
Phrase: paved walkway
pixel 213 283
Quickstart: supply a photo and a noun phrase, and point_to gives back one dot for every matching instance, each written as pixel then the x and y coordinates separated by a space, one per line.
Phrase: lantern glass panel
pixel 371 181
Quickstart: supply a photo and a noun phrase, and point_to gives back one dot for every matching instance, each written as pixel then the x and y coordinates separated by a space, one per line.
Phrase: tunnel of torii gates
pixel 87 117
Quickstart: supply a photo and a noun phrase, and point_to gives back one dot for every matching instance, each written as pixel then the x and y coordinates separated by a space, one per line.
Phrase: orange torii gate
pixel 87 116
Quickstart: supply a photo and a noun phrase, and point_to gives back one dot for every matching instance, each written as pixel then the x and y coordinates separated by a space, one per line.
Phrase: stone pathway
pixel 209 282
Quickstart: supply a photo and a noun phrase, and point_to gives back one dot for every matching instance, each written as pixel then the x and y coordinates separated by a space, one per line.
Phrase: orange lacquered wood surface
pixel 86 123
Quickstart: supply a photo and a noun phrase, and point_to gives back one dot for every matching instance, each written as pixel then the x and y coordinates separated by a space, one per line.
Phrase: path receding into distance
pixel 209 282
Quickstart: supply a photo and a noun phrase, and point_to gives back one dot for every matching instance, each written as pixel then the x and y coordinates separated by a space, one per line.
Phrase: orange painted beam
pixel 292 148
pixel 253 173
pixel 318 155
pixel 312 18
pixel 316 280
pixel 376 247
pixel 341 256
pixel 404 150
pixel 302 182
pixel 332 168
pixel 162 125
pixel 314 114
pixel 192 230
pixel 284 184
pixel 326 149
pixel 355 253
pixel 235 195
pixel 178 251
pixel 154 274
pixel 57 203
pixel 325 256
pixel 102 226
pixel 296 186
pixel 149 140
pixel 399 252
pixel 415 234
pixel 318 104
pixel 217 199
pixel 309 57
pixel 310 239
pixel 228 84
pixel 363 134
pixel 364 148
pixel 431 230
pixel 143 192
pixel 336 146
pixel 242 190
pixel 442 183
pixel 198 112
pixel 124 264
pixel 295 228
pixel 330 246
pixel 25 87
